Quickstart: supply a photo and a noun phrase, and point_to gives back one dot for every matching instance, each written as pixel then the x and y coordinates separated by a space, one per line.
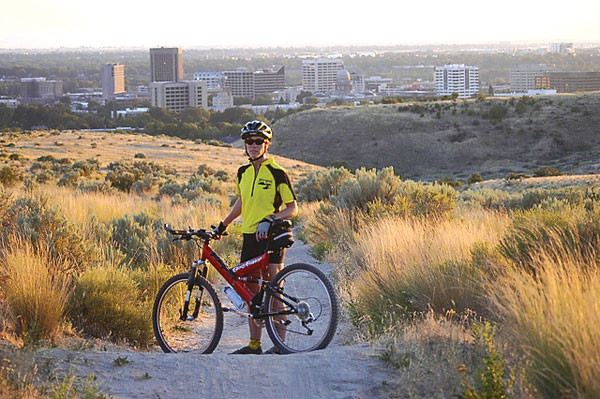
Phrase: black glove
pixel 220 229
pixel 264 225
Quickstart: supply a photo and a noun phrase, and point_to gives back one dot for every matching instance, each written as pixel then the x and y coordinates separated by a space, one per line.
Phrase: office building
pixel 358 82
pixel 176 96
pixel 457 78
pixel 522 78
pixel 569 82
pixel 562 48
pixel 113 80
pixel 214 80
pixel 374 83
pixel 241 82
pixel 320 75
pixel 41 89
pixel 166 64
pixel 269 80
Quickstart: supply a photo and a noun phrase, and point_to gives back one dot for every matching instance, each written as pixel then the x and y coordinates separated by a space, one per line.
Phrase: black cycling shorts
pixel 252 248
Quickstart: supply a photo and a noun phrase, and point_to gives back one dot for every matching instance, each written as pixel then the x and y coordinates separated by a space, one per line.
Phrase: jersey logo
pixel 264 183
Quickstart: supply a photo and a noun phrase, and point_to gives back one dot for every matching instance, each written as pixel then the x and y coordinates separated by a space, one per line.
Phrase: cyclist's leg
pixel 251 249
pixel 275 267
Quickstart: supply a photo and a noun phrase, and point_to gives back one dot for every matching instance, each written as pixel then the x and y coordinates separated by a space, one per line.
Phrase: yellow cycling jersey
pixel 262 193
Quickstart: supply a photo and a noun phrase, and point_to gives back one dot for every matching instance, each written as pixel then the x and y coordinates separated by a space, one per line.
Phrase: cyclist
pixel 262 188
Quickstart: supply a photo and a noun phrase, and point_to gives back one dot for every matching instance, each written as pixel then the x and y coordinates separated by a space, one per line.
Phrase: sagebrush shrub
pixel 31 219
pixel 321 184
pixel 136 235
pixel 366 186
pixel 106 303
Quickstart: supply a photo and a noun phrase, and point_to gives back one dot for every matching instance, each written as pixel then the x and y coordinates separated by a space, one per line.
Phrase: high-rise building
pixel 214 80
pixel 241 82
pixel 175 96
pixel 320 74
pixel 523 78
pixel 457 78
pixel 166 64
pixel 569 82
pixel 113 80
pixel 40 88
pixel 269 80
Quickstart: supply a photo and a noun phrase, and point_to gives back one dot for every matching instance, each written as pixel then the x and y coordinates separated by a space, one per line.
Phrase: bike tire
pixel 314 295
pixel 200 335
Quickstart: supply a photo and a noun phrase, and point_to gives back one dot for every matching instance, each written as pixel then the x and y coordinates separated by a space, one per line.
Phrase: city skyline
pixel 34 24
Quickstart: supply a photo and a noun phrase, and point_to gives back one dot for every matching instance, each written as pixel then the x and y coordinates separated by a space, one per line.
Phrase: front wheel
pixel 201 330
pixel 307 296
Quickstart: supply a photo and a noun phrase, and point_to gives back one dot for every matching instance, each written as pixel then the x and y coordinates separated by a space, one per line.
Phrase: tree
pixel 263 99
pixel 196 115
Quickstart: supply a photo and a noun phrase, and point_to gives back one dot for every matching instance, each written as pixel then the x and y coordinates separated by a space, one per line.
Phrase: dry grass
pixel 553 318
pixel 427 353
pixel 183 155
pixel 409 265
pixel 550 182
pixel 35 291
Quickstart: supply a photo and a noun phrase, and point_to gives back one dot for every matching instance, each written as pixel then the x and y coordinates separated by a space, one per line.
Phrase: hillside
pixel 183 155
pixel 429 140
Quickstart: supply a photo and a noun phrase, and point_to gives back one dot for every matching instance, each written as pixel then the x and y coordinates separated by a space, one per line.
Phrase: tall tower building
pixel 166 64
pixel 457 78
pixel 113 80
pixel 320 74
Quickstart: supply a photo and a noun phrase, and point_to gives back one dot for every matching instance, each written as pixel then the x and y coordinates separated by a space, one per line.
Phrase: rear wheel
pixel 313 305
pixel 202 329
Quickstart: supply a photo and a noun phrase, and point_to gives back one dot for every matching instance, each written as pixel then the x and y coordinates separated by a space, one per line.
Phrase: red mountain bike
pixel 299 307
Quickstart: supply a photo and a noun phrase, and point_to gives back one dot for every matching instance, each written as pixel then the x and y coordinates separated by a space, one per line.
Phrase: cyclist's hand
pixel 219 230
pixel 263 228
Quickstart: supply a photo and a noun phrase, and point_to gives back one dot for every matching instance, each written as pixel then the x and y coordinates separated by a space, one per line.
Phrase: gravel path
pixel 339 371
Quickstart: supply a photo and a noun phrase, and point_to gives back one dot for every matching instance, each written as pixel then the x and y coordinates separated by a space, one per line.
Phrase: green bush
pixel 320 184
pixel 32 219
pixel 429 200
pixel 123 175
pixel 106 304
pixel 136 236
pixel 366 186
pixel 69 179
pixel 9 176
pixel 475 178
pixel 491 379
pixel 547 171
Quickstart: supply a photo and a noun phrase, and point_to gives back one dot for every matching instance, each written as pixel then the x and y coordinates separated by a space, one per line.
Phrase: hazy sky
pixel 149 23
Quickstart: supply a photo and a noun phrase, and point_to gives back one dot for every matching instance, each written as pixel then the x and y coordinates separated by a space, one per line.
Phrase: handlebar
pixel 190 233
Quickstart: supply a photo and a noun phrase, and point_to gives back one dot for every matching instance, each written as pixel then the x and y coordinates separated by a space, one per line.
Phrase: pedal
pixel 225 309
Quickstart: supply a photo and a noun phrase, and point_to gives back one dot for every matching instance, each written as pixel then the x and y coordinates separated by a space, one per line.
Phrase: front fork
pixel 192 277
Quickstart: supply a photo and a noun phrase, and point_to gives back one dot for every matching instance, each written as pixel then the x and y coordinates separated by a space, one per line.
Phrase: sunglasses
pixel 256 141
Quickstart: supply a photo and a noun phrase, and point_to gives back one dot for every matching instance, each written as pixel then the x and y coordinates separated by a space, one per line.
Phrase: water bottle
pixel 235 298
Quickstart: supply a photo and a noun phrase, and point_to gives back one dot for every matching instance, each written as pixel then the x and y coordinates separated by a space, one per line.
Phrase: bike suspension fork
pixel 193 275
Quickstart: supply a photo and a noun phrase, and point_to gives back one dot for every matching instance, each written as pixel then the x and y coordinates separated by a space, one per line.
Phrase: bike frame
pixel 236 276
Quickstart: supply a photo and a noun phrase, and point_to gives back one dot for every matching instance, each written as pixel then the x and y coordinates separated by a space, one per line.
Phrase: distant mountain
pixel 430 140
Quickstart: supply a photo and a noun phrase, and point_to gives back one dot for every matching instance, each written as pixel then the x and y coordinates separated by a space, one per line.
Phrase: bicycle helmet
pixel 256 128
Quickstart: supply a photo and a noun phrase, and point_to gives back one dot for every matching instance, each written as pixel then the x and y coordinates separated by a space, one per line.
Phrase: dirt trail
pixel 339 371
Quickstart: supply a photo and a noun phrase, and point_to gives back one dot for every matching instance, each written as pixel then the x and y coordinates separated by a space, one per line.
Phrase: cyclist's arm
pixel 236 210
pixel 290 210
